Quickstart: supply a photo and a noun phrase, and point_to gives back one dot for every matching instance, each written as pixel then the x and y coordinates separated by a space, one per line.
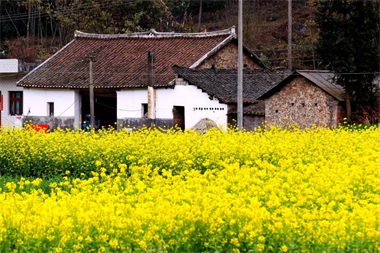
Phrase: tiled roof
pixel 121 59
pixel 325 81
pixel 322 78
pixel 222 83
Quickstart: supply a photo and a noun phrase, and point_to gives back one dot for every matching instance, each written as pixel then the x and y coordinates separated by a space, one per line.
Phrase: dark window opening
pixel 303 104
pixel 316 104
pixel 144 109
pixel 51 108
pixel 292 104
pixel 276 111
pixel 15 102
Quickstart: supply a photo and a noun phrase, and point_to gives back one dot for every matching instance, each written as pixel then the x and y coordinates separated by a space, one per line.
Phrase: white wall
pixel 8 66
pixel 36 102
pixel 7 84
pixel 197 104
pixel 129 102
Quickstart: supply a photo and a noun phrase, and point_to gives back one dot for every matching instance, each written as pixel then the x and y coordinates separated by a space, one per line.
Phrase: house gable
pixel 226 58
pixel 303 102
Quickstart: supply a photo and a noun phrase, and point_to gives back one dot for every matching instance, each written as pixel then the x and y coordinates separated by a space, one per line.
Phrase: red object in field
pixel 39 127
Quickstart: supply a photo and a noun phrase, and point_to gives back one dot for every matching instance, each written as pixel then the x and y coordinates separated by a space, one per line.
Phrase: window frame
pixel 50 109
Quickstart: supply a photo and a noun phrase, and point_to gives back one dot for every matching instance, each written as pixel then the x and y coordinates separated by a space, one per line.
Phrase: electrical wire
pixel 37 14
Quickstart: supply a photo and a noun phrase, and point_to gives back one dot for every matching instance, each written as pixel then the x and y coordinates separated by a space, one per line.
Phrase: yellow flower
pixel 284 248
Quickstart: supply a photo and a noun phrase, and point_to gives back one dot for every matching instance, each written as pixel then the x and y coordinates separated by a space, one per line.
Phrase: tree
pixel 347 46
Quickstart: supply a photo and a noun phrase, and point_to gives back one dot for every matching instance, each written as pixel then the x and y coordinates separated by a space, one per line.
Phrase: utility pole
pixel 290 35
pixel 240 69
pixel 91 59
pixel 151 82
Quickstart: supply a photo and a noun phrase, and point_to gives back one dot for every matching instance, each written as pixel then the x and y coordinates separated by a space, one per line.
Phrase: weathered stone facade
pixel 303 102
pixel 138 123
pixel 226 58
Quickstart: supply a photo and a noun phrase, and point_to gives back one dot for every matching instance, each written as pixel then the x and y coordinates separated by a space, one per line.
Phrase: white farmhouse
pixel 130 89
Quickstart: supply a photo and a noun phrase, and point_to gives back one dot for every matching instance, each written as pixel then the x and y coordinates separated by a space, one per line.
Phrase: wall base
pixel 137 123
pixel 53 122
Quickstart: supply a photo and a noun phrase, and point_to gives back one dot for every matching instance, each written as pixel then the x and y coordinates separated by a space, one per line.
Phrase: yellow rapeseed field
pixel 269 191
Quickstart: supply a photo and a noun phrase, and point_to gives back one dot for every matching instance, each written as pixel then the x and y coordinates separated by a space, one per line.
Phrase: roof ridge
pixel 154 34
pixel 315 71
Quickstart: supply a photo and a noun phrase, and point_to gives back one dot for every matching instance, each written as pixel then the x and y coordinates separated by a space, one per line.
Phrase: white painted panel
pixel 36 102
pixel 197 105
pixel 8 66
pixel 129 103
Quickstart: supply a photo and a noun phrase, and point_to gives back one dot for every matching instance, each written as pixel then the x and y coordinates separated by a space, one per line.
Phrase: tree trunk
pixel 200 16
pixel 28 24
pixel 348 106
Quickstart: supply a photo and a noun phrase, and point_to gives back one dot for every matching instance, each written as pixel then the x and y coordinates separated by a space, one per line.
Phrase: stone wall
pixel 226 58
pixel 302 102
pixel 137 123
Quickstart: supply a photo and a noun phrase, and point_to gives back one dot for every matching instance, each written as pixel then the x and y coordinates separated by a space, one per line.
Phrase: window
pixel 144 110
pixel 51 108
pixel 15 102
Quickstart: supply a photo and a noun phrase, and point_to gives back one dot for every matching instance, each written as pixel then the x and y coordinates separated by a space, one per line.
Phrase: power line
pixel 37 14
pixel 69 8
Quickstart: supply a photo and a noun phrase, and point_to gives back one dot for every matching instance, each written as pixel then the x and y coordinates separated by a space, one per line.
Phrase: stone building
pixel 306 97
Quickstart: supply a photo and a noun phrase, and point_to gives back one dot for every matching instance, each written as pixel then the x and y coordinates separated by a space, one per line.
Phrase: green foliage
pixel 116 17
pixel 208 5
pixel 347 45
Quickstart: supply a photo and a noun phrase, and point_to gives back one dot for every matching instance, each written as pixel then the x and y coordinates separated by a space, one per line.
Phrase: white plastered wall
pixel 197 104
pixel 129 103
pixel 8 84
pixel 36 102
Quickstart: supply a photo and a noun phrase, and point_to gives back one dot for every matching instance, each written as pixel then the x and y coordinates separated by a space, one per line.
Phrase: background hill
pixel 32 30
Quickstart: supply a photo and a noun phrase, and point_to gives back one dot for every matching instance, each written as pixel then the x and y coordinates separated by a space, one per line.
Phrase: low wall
pixel 141 122
pixel 53 122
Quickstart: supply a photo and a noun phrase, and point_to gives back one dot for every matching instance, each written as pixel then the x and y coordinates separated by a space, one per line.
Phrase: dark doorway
pixel 179 117
pixel 232 120
pixel 105 109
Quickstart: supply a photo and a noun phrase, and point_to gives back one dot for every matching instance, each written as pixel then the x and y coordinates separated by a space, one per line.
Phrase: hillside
pixel 265 30
pixel 51 26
